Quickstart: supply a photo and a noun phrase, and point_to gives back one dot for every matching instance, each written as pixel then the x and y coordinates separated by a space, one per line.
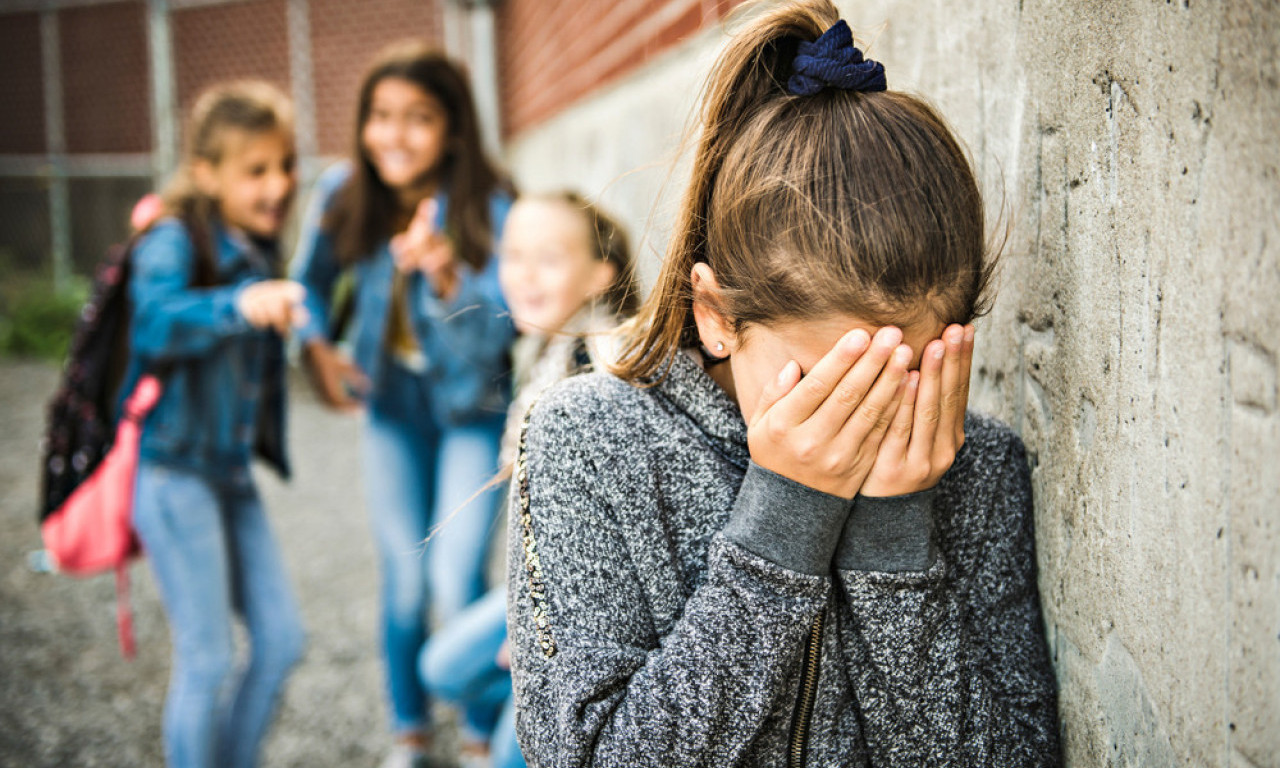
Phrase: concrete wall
pixel 1133 148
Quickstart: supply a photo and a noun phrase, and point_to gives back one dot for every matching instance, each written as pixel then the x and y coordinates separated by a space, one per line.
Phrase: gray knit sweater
pixel 673 604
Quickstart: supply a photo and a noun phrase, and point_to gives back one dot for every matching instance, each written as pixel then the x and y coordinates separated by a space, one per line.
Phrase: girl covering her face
pixel 774 536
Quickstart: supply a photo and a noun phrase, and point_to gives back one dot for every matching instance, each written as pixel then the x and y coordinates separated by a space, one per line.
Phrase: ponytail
pixel 751 73
pixel 833 199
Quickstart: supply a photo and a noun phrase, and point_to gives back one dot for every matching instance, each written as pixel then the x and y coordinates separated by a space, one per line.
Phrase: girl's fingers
pixel 851 390
pixel 928 410
pixel 819 382
pixel 355 378
pixel 898 437
pixel 874 412
pixel 775 390
pixel 425 215
pixel 953 394
pixel 422 225
pixel 436 255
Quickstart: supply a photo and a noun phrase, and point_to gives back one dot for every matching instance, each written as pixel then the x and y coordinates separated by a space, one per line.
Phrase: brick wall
pixel 21 85
pixel 553 52
pixel 227 41
pixel 344 38
pixel 104 56
pixel 106 91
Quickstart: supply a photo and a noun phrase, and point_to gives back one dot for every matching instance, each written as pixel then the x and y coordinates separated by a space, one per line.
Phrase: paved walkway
pixel 66 696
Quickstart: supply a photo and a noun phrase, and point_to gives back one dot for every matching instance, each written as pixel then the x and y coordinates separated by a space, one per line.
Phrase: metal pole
pixel 302 85
pixel 56 148
pixel 484 73
pixel 164 136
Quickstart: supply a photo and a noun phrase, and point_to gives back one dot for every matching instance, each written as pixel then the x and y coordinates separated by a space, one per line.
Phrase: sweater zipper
pixel 808 693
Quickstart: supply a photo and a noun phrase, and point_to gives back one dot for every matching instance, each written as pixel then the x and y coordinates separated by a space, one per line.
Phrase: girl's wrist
pixel 445 282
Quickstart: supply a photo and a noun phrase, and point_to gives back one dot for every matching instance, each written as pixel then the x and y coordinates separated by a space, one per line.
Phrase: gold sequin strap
pixel 532 565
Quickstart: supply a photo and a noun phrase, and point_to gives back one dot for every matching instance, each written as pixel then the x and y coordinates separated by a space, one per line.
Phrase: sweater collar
pixel 688 387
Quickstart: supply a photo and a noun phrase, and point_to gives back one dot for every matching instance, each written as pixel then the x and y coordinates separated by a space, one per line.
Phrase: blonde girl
pixel 210 315
pixel 566 271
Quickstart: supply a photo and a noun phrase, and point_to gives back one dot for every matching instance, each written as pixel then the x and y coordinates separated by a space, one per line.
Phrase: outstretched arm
pixel 170 318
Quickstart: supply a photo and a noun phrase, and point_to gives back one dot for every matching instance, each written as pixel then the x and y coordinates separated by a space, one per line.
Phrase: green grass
pixel 37 320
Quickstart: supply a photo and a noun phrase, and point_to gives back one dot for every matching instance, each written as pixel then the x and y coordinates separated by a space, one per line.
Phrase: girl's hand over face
pixel 335 377
pixel 422 248
pixel 928 429
pixel 275 304
pixel 823 430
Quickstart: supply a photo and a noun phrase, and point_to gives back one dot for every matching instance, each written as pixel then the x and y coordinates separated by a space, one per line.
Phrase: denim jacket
pixel 224 386
pixel 464 340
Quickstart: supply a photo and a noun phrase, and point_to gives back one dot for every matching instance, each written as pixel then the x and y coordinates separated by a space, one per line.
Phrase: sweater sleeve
pixel 596 683
pixel 946 661
pixel 170 318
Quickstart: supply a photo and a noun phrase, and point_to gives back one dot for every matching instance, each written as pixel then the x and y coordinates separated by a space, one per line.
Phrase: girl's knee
pixel 288 648
pixel 206 669
pixel 437 667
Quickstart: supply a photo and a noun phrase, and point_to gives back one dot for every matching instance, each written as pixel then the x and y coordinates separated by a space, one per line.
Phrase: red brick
pixel 551 54
pixel 229 41
pixel 106 85
pixel 21 85
pixel 345 36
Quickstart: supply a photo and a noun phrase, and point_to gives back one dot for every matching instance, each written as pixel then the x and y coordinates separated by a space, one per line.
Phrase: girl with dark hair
pixel 414 216
pixel 209 311
pixel 773 535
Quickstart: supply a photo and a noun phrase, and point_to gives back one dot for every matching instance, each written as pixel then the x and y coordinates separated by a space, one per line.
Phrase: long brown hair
pixel 251 106
pixel 366 209
pixel 840 202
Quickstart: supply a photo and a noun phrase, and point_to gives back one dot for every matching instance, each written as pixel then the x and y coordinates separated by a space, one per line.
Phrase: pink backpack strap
pixel 124 611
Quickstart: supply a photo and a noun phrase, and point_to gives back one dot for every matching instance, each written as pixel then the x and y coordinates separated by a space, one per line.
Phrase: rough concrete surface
pixel 66 696
pixel 1133 151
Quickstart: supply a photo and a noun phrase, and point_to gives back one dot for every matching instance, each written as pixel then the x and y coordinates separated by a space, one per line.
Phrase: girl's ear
pixel 206 180
pixel 714 329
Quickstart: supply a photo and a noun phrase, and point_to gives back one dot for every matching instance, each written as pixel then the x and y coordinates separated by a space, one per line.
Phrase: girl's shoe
pixel 407 755
pixel 474 754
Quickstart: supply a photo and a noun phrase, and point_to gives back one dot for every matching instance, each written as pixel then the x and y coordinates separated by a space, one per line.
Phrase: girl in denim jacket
pixel 414 217
pixel 209 317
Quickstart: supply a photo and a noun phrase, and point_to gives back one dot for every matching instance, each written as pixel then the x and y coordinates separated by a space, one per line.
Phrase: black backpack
pixel 81 417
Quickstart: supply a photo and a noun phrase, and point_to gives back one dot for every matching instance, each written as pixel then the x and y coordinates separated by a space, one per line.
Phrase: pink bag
pixel 92 531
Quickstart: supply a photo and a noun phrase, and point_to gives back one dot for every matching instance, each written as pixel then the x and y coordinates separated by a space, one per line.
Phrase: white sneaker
pixel 405 756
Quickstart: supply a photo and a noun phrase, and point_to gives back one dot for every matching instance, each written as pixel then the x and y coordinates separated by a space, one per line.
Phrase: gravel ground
pixel 67 698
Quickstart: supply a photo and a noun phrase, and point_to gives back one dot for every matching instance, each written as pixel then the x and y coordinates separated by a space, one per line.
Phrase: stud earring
pixel 710 358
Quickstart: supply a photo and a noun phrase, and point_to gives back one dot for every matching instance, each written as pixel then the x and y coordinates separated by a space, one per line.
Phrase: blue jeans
pixel 460 666
pixel 213 555
pixel 424 483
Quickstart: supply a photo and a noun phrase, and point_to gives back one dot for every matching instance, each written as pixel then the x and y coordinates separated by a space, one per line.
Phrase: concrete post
pixel 164 129
pixel 302 86
pixel 56 148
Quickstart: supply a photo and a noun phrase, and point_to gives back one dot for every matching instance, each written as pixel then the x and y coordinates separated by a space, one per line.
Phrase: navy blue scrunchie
pixel 833 61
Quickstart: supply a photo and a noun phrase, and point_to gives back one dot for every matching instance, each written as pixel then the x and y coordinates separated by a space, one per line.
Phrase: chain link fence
pixel 95 89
